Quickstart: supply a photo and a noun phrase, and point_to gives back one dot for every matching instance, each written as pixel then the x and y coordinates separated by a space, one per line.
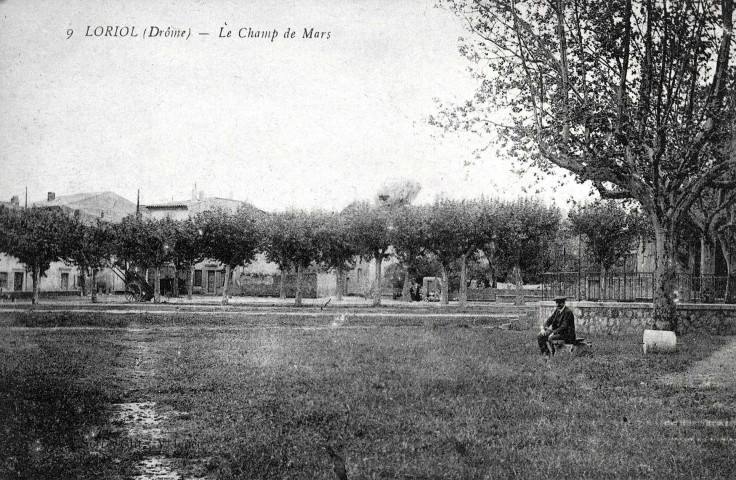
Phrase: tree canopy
pixel 231 238
pixel 634 96
pixel 370 229
pixel 36 237
pixel 91 248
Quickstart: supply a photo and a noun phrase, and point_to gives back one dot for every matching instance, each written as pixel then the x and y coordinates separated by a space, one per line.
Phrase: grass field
pixel 273 398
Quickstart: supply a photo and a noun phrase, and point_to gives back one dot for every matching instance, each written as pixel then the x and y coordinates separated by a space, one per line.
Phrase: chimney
pixel 51 196
pixel 14 200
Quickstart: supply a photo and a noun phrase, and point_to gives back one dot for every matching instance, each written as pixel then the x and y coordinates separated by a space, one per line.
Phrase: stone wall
pixel 262 289
pixel 613 318
pixel 481 294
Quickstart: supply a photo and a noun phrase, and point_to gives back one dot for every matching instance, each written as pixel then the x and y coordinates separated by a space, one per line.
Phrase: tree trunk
pixel 175 286
pixel 226 286
pixel 36 276
pixel 445 287
pixel 707 268
pixel 665 274
pixel 282 284
pixel 377 282
pixel 340 287
pixel 83 281
pixel 94 285
pixel 516 274
pixel 463 281
pixel 406 290
pixel 298 295
pixel 157 285
pixel 190 282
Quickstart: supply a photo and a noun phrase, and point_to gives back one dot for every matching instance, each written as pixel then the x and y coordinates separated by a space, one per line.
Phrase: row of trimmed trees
pixel 451 231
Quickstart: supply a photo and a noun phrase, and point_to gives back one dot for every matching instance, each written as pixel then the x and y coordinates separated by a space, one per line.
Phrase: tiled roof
pixel 107 205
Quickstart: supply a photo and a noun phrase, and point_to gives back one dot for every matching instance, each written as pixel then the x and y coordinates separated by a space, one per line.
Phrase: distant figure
pixel 560 326
pixel 415 295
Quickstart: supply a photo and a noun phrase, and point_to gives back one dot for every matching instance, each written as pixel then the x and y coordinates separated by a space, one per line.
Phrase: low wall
pixel 509 296
pixel 252 289
pixel 481 294
pixel 620 318
pixel 12 296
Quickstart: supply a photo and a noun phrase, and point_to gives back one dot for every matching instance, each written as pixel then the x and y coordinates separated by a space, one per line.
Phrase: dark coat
pixel 563 324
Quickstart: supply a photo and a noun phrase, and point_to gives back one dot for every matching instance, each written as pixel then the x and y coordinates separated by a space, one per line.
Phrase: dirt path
pixel 142 420
pixel 716 371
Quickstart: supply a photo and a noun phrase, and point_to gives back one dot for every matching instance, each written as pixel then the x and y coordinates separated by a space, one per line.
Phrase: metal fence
pixel 631 287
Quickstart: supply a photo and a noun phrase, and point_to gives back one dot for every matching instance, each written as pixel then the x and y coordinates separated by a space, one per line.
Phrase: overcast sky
pixel 285 123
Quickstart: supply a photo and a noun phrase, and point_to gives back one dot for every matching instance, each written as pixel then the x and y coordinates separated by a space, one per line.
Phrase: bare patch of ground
pixel 142 420
pixel 716 371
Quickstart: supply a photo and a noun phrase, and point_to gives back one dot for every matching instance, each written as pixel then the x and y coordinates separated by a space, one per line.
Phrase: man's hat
pixel 560 299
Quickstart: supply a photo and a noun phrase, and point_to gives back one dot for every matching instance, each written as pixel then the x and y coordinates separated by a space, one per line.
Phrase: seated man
pixel 560 326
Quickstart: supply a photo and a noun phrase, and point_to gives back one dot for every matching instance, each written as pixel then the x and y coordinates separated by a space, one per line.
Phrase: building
pixel 61 277
pixel 209 275
pixel 181 210
pixel 107 206
pixel 361 279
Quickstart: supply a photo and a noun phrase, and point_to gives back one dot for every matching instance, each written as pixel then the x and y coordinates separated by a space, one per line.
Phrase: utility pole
pixel 26 204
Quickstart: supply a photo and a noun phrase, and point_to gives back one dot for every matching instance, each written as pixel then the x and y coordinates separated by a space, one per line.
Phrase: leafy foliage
pixel 232 238
pixel 145 242
pixel 188 242
pixel 526 228
pixel 290 239
pixel 634 96
pixel 90 245
pixel 36 237
pixel 335 242
pixel 369 225
pixel 610 229
pixel 408 233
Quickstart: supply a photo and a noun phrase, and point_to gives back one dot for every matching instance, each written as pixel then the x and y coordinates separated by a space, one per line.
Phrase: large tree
pixel 36 237
pixel 336 247
pixel 526 229
pixel 369 225
pixel 91 248
pixel 634 96
pixel 709 214
pixel 611 232
pixel 408 237
pixel 231 238
pixel 146 243
pixel 456 229
pixel 292 243
pixel 189 249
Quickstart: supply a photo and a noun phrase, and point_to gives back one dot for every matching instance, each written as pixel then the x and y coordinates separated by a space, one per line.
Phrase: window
pixel 198 278
pixel 65 281
pixel 3 280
